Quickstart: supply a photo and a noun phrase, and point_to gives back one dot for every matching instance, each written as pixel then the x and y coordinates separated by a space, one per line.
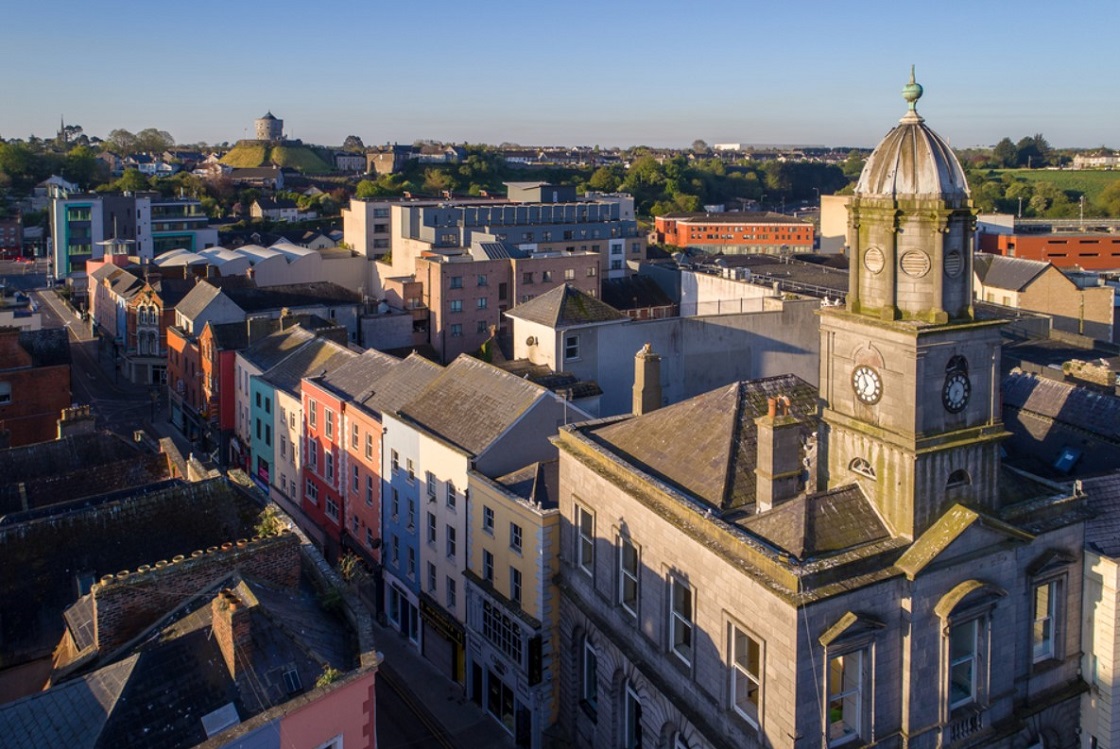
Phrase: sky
pixel 571 72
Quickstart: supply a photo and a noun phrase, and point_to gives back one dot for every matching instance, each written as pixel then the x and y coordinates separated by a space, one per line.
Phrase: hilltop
pixel 253 153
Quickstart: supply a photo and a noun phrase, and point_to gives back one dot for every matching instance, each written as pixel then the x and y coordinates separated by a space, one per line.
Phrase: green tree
pixel 606 179
pixel 131 181
pixel 82 165
pixel 1109 199
pixel 121 142
pixel 1005 154
pixel 151 140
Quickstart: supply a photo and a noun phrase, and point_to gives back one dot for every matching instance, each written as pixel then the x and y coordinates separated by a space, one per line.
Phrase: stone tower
pixel 270 128
pixel 909 378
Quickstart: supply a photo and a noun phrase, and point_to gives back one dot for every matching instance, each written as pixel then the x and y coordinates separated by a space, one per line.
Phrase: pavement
pixel 427 691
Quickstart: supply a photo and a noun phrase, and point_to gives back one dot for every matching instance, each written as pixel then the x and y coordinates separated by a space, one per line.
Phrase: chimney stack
pixel 778 469
pixel 647 381
pixel 230 625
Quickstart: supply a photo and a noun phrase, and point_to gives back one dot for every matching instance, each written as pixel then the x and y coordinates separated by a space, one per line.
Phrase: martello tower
pixel 909 378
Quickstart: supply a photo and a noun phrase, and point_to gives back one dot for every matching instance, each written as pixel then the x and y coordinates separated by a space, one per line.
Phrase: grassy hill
pixel 253 154
pixel 1087 181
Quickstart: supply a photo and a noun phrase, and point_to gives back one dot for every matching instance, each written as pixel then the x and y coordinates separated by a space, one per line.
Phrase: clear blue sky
pixel 609 72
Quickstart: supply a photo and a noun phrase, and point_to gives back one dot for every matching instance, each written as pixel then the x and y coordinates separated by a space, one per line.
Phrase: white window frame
pixel 628 577
pixel 682 623
pixel 742 677
pixel 585 540
pixel 1045 647
pixel 632 717
pixel 846 692
pixel 970 657
pixel 589 675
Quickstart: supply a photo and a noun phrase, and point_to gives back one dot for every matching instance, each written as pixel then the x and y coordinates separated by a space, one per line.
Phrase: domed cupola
pixel 910 227
pixel 912 160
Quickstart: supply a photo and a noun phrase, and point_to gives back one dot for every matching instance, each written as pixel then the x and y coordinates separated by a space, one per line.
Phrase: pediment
pixel 850 626
pixel 955 534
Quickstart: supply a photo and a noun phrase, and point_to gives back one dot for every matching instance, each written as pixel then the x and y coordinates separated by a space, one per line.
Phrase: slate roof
pixel 72 468
pixel 314 357
pixel 634 292
pixel 173 290
pixel 135 703
pixel 1088 410
pixel 355 377
pixel 565 307
pixel 267 352
pixel 471 404
pixel 401 384
pixel 255 299
pixel 48 347
pixel 817 525
pixel 537 483
pixel 229 336
pixel 1011 273
pixel 1103 496
pixel 564 383
pixel 198 299
pixel 788 270
pixel 70 715
pixel 707 445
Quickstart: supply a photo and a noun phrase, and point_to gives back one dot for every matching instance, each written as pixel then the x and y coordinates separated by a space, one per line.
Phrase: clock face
pixel 867 384
pixel 956 392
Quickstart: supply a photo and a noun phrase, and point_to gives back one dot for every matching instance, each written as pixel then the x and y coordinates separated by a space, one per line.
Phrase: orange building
pixel 1099 251
pixel 735 232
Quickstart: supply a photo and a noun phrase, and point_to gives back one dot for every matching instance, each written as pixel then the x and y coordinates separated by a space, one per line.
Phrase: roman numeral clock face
pixel 867 384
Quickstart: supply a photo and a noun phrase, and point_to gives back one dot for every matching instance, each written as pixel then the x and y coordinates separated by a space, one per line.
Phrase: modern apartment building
pixel 81 224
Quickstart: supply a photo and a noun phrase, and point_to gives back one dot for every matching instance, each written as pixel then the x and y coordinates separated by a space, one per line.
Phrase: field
pixel 1089 182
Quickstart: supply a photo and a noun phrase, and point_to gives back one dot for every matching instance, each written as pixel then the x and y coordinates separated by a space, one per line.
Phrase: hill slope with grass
pixel 248 154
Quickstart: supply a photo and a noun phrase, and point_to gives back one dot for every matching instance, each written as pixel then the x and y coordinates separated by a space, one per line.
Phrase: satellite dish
pixel 531 341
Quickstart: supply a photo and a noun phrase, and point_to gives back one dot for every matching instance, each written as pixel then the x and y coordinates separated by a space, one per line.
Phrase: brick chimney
pixel 75 420
pixel 647 381
pixel 778 468
pixel 231 629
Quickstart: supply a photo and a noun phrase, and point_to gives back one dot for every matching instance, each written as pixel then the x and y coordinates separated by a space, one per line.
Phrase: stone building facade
pixel 718 590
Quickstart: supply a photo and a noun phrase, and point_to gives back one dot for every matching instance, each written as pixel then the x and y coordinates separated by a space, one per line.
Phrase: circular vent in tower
pixel 873 260
pixel 954 263
pixel 915 263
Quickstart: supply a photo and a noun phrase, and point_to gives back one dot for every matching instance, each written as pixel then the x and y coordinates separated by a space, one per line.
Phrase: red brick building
pixel 735 232
pixel 1087 251
pixel 34 384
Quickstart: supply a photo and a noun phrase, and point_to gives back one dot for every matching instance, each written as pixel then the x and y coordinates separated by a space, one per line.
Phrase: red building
pixel 322 460
pixel 735 232
pixel 1087 251
pixel 11 237
pixel 34 384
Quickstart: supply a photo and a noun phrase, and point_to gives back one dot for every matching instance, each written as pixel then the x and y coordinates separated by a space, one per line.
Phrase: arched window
pixel 631 717
pixel 862 467
pixel 958 478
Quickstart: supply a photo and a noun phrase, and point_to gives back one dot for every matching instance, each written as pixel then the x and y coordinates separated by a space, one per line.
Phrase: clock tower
pixel 909 378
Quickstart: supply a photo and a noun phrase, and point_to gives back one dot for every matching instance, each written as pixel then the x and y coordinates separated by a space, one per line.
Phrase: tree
pixel 121 142
pixel 82 166
pixel 1005 154
pixel 132 181
pixel 606 179
pixel 150 140
pixel 1109 199
pixel 353 143
pixel 699 146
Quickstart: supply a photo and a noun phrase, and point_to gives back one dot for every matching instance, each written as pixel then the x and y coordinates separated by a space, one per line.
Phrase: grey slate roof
pixel 255 299
pixel 1088 410
pixel 355 377
pixel 69 715
pixel 707 445
pixel 197 299
pixel 401 384
pixel 75 467
pixel 1011 273
pixel 821 524
pixel 314 357
pixel 48 346
pixel 565 307
pixel 266 353
pixel 472 403
pixel 1103 495
pixel 538 483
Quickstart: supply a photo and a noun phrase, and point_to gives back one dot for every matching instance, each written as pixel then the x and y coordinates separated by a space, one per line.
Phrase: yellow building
pixel 512 603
